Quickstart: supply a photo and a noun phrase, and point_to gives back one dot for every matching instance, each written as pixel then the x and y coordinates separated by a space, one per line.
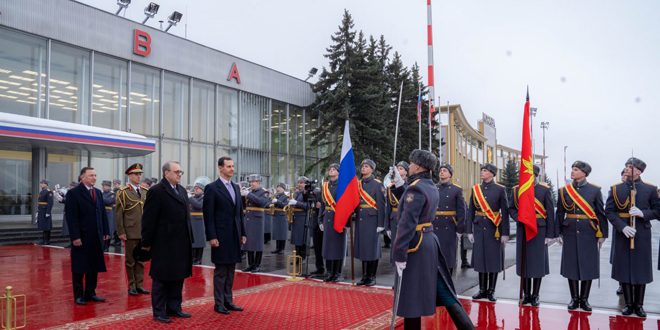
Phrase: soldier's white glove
pixel 629 231
pixel 600 242
pixel 549 241
pixel 321 226
pixel 636 212
pixel 400 266
pixel 398 181
pixel 504 239
pixel 379 229
pixel 245 192
pixel 389 233
pixel 458 235
pixel 471 238
pixel 274 200
pixel 559 240
pixel 292 202
pixel 47 215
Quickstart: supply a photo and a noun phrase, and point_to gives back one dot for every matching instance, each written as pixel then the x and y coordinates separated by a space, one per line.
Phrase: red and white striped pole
pixel 431 95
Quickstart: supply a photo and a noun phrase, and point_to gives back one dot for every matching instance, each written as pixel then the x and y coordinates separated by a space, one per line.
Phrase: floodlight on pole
pixel 174 18
pixel 150 11
pixel 311 73
pixel 123 4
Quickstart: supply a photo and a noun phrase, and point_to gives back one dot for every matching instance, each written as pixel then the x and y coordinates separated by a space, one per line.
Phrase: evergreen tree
pixel 510 177
pixel 552 189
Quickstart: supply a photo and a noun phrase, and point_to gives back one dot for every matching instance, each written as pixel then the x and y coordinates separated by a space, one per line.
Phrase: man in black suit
pixel 223 219
pixel 166 232
pixel 88 229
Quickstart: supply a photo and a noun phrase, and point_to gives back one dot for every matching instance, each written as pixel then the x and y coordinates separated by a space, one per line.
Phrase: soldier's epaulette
pixel 378 181
pixel 123 187
pixel 595 185
pixel 414 183
pixel 457 186
pixel 144 188
pixel 543 184
pixel 501 185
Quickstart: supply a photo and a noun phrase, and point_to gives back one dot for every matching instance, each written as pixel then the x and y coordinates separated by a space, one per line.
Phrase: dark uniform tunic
pixel 109 199
pixel 393 200
pixel 426 282
pixel 254 219
pixel 44 207
pixel 334 243
pixel 280 225
pixel 580 255
pixel 449 220
pixel 299 218
pixel 537 263
pixel 487 249
pixel 197 221
pixel 632 266
pixel 367 239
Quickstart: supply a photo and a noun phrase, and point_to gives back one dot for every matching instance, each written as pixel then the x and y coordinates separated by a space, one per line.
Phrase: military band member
pixel 280 224
pixel 299 207
pixel 268 221
pixel 537 263
pixel 109 200
pixel 487 224
pixel 449 222
pixel 583 229
pixel 425 279
pixel 334 243
pixel 257 202
pixel 128 218
pixel 116 184
pixel 632 265
pixel 197 222
pixel 369 222
pixel 44 208
pixel 394 193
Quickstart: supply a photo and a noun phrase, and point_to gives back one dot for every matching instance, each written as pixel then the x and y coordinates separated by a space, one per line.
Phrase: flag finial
pixel 527 93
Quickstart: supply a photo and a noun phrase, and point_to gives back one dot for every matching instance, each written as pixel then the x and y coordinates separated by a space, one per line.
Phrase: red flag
pixel 526 212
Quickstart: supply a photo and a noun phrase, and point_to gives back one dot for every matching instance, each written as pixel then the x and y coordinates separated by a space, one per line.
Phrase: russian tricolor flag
pixel 348 197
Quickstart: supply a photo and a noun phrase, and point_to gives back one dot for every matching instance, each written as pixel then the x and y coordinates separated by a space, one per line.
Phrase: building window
pixel 22 73
pixel 227 117
pixel 15 183
pixel 175 106
pixel 254 122
pixel 202 112
pixel 69 84
pixel 176 150
pixel 109 96
pixel 202 162
pixel 145 100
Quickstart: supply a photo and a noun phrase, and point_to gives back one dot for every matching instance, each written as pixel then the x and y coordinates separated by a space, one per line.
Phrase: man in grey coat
pixel 280 231
pixel 632 265
pixel 257 202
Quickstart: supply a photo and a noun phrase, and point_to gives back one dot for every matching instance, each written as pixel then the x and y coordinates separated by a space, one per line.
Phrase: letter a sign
pixel 233 74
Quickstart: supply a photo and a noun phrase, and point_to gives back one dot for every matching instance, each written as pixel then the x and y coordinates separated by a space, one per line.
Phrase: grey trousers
pixel 223 281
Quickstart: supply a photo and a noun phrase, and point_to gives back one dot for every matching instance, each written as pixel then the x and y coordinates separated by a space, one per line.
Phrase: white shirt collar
pixel 226 182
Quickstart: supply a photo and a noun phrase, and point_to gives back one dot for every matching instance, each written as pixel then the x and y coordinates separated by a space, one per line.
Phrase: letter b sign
pixel 141 43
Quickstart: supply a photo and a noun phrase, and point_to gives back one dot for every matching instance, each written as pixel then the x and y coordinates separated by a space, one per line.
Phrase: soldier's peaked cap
pixel 636 163
pixel 135 168
pixel 423 158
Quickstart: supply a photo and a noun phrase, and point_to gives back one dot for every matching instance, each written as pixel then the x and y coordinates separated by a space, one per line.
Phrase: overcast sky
pixel 593 67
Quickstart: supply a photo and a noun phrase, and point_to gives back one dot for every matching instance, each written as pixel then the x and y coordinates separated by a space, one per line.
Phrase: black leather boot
pixel 459 316
pixel 250 257
pixel 483 286
pixel 575 299
pixel 492 281
pixel 47 237
pixel 639 292
pixel 536 287
pixel 527 287
pixel 628 308
pixel 337 270
pixel 372 268
pixel 365 274
pixel 330 268
pixel 257 262
pixel 412 323
pixel 585 288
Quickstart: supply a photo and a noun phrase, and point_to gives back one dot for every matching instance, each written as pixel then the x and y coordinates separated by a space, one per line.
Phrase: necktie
pixel 176 191
pixel 231 191
pixel 93 192
pixel 137 190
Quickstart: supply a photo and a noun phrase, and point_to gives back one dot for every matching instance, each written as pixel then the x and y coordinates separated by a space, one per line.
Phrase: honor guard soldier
pixel 537 264
pixel 280 224
pixel 256 203
pixel 44 208
pixel 370 221
pixel 425 281
pixel 487 224
pixel 334 243
pixel 197 219
pixel 449 222
pixel 299 208
pixel 583 229
pixel 109 200
pixel 631 260
pixel 116 184
pixel 395 189
pixel 128 218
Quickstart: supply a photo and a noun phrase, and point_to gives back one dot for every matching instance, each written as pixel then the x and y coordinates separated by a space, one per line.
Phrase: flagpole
pixel 396 129
pixel 419 114
pixel 429 35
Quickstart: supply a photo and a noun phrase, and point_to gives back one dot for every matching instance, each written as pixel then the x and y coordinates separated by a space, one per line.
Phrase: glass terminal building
pixel 82 87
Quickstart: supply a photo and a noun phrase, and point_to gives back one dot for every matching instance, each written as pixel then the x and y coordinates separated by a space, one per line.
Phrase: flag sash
pixel 483 204
pixel 580 202
pixel 366 197
pixel 327 196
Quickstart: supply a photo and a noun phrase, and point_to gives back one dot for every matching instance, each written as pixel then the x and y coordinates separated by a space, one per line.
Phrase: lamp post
pixel 544 126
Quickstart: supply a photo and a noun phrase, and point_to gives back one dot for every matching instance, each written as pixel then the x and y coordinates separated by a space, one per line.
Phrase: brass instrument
pixel 294 266
pixel 9 304
pixel 288 209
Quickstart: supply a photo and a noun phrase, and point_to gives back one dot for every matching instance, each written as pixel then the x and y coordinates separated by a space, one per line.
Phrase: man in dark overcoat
pixel 280 224
pixel 398 176
pixel 299 207
pixel 449 222
pixel 88 229
pixel 334 243
pixel 258 200
pixel 44 208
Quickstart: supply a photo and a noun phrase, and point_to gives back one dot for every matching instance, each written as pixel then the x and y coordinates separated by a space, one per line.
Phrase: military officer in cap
pixel 369 222
pixel 257 202
pixel 128 219
pixel 583 228
pixel 487 224
pixel 299 206
pixel 425 279
pixel 631 261
pixel 449 222
pixel 197 221
pixel 280 225
pixel 334 243
pixel 537 264
pixel 109 200
pixel 395 189
pixel 44 208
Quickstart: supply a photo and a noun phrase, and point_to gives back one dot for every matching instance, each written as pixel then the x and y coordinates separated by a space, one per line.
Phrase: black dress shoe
pixel 233 307
pixel 220 309
pixel 180 314
pixel 639 311
pixel 574 304
pixel 535 301
pixel 162 319
pixel 248 269
pixel 627 310
pixel 255 269
pixel 362 281
pixel 142 291
pixel 133 292
pixel 491 296
pixel 318 272
pixel 370 282
pixel 584 304
pixel 96 299
pixel 80 301
pixel 526 299
pixel 480 295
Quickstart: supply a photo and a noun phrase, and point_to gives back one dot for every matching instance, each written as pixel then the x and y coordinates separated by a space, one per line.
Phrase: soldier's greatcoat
pixel 109 200
pixel 580 257
pixel 393 199
pixel 449 220
pixel 299 220
pixel 257 201
pixel 280 226
pixel 369 218
pixel 197 221
pixel 44 207
pixel 334 243
pixel 633 266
